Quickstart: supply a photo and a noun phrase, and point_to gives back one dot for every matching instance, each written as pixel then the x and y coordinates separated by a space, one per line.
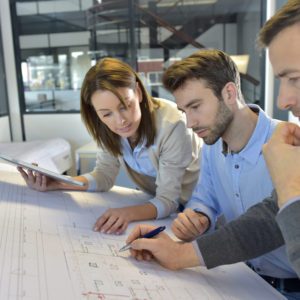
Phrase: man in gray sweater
pixel 263 227
pixel 281 34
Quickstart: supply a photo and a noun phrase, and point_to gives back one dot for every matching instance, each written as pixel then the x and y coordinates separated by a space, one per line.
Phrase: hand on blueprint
pixel 282 154
pixel 189 224
pixel 114 220
pixel 170 254
pixel 39 182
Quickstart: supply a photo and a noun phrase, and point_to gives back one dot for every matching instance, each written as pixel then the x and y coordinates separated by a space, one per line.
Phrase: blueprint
pixel 49 251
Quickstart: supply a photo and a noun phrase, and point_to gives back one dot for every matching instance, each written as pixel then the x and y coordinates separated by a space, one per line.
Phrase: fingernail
pixel 95 228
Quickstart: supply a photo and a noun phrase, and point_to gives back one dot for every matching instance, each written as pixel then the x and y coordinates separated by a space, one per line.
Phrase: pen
pixel 148 235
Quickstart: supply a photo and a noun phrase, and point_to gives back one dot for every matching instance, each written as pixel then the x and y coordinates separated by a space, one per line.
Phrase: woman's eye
pixel 106 115
pixel 195 107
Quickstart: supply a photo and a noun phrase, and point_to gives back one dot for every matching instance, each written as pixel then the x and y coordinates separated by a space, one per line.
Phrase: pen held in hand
pixel 148 235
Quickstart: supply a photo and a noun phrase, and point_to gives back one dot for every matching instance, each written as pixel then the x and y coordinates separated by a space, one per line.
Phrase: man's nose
pixel 285 100
pixel 190 121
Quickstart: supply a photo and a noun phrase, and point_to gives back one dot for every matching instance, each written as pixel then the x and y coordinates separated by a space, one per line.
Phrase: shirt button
pixel 236 166
pixel 237 195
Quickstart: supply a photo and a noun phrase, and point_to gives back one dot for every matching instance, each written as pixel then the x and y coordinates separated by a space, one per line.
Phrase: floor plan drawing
pixel 48 250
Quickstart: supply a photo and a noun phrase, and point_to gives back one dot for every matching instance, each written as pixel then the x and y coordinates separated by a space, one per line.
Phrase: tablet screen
pixel 51 174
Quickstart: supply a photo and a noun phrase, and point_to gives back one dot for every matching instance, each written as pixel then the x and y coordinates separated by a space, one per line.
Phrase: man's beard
pixel 223 120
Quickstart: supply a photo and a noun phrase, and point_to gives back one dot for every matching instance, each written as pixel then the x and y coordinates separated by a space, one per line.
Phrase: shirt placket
pixel 236 173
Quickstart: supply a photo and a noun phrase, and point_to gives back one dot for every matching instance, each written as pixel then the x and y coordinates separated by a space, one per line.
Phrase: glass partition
pixel 58 41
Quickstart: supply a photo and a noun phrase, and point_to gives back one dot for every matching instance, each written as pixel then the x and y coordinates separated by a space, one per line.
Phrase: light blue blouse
pixel 138 159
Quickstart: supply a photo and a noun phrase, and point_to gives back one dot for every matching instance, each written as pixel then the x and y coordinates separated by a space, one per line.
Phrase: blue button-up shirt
pixel 230 183
pixel 138 159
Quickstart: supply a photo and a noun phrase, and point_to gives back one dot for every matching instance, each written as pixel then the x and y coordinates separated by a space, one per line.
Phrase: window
pixel 60 40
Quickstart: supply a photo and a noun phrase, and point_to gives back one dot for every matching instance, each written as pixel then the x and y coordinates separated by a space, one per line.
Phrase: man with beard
pixel 234 176
pixel 281 34
pixel 206 87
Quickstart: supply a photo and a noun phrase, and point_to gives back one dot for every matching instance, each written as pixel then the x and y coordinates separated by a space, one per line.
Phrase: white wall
pixel 269 75
pixel 5 130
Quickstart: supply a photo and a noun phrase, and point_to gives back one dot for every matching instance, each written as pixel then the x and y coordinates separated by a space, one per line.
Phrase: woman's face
pixel 120 119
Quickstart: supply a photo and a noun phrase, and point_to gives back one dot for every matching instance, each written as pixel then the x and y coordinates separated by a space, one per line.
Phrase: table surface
pixel 49 251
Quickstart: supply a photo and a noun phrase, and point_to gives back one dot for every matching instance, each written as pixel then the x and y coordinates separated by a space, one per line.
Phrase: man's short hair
pixel 286 16
pixel 213 66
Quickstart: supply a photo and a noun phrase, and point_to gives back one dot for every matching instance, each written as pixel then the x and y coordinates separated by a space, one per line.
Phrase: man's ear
pixel 229 93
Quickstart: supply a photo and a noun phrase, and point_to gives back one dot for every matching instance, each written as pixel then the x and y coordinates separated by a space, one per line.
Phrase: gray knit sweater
pixel 260 230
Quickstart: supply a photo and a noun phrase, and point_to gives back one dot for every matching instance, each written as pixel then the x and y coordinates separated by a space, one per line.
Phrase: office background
pixel 47 46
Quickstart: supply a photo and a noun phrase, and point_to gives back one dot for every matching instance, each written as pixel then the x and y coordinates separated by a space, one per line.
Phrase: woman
pixel 147 136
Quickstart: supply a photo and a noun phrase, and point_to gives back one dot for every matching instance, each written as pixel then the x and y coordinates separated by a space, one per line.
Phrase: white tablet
pixel 51 174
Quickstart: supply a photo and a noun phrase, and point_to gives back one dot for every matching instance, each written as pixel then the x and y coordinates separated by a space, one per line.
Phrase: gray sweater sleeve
pixel 252 234
pixel 289 222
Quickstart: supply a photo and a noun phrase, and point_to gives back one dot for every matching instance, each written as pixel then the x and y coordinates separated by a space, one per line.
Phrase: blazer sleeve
pixel 177 160
pixel 254 233
pixel 106 170
pixel 288 221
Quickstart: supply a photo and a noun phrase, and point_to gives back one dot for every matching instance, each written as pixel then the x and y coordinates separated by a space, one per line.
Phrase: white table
pixel 48 251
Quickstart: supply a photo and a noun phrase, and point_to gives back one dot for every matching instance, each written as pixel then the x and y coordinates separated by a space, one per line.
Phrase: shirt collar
pixel 252 151
pixel 139 147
